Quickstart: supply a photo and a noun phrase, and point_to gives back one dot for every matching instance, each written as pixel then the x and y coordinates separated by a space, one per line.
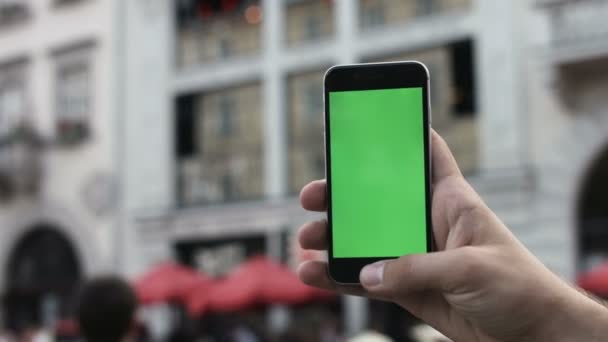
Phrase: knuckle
pixel 472 262
pixel 396 275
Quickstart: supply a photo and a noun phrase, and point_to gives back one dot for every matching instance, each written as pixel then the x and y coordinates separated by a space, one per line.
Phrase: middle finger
pixel 313 235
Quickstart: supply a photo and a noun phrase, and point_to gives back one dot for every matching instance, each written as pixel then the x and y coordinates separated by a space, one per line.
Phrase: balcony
pixel 214 32
pixel 579 30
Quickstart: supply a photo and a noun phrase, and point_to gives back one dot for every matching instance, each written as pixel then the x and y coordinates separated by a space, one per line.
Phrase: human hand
pixel 481 285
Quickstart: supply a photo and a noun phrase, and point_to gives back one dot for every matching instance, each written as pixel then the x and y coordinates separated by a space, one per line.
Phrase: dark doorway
pixel 593 214
pixel 42 274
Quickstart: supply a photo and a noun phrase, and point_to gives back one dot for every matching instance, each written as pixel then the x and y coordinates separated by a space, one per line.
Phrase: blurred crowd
pixel 107 311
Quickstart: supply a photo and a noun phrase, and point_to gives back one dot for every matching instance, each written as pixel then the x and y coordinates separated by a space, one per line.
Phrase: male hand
pixel 481 285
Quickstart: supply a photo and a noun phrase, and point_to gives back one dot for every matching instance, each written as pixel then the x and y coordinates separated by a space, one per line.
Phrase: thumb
pixel 442 271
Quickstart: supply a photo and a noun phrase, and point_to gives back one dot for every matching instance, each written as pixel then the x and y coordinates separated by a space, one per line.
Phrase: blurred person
pixel 27 334
pixel 143 333
pixel 370 336
pixel 182 332
pixel 242 333
pixel 106 310
pixel 426 333
pixel 330 329
pixel 42 335
pixel 35 334
pixel 7 336
pixel 481 285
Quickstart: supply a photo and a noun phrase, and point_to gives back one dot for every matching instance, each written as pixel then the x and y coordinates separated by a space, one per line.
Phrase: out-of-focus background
pixel 146 135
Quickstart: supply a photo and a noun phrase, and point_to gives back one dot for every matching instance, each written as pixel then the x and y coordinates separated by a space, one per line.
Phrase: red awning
pixel 595 280
pixel 168 282
pixel 66 328
pixel 284 287
pixel 197 299
pixel 261 281
pixel 257 281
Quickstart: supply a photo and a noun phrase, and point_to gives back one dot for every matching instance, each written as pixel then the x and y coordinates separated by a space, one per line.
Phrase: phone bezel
pixel 372 76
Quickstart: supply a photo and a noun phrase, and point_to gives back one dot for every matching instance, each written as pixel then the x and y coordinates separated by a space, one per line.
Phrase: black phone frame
pixel 372 76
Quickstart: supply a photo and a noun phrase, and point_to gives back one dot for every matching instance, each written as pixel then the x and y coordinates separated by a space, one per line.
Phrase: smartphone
pixel 377 151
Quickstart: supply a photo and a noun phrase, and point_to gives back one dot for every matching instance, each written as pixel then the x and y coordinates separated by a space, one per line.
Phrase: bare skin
pixel 481 285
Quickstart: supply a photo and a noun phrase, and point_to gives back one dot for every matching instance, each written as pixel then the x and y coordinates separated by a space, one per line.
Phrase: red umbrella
pixel 261 281
pixel 595 280
pixel 167 282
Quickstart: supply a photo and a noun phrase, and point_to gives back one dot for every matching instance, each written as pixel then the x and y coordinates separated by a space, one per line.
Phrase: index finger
pixel 444 164
pixel 313 196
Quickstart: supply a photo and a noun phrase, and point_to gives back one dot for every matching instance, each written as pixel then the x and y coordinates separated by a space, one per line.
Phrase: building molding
pixel 14 61
pixel 77 46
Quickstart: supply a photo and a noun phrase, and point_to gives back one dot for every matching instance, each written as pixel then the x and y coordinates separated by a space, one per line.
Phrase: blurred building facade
pixel 139 131
pixel 57 168
pixel 237 184
pixel 572 151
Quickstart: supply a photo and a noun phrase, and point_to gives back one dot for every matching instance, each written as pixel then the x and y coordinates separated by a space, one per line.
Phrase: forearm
pixel 577 317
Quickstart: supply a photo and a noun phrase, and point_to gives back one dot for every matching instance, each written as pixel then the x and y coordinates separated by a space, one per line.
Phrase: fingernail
pixel 371 275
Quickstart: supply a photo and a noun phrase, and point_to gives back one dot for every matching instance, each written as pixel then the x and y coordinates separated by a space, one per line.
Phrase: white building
pixel 71 72
pixel 170 135
pixel 56 59
pixel 503 134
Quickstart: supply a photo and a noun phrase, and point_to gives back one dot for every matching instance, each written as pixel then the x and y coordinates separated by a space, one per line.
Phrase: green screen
pixel 377 173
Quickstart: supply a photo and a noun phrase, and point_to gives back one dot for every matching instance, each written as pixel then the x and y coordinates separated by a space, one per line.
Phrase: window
pixel 426 7
pixel 313 27
pixel 73 92
pixel 13 11
pixel 464 103
pixel 224 48
pixel 306 157
pixel 214 31
pixel 12 96
pixel 373 16
pixel 226 112
pixel 73 95
pixel 219 146
pixel 227 187
pixel 11 107
pixel 185 126
pixel 308 20
pixel 314 101
pixel 375 13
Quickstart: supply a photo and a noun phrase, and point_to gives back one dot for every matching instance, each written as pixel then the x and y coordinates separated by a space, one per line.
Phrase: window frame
pixel 79 127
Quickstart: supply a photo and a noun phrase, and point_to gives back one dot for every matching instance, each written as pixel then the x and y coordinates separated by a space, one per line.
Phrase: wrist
pixel 574 316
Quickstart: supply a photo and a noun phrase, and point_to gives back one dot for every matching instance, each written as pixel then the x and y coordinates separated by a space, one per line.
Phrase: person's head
pixel 106 307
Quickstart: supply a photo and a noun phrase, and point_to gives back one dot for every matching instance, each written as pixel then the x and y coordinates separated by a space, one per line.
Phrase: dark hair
pixel 106 307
